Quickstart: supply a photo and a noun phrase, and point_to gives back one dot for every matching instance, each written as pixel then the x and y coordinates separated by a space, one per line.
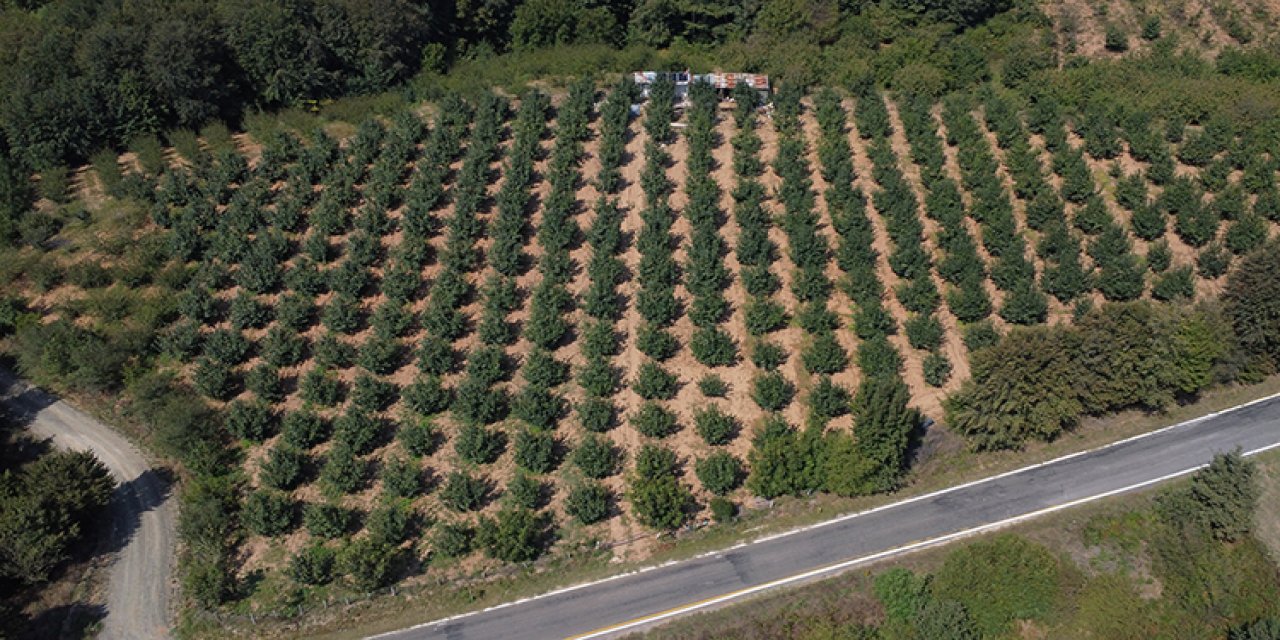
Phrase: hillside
pixel 415 273
pixel 509 312
pixel 1108 28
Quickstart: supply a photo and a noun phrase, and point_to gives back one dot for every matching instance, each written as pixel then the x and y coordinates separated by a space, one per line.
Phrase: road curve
pixel 632 601
pixel 143 513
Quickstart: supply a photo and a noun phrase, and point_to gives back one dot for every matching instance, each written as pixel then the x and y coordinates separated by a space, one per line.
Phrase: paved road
pixel 615 606
pixel 143 513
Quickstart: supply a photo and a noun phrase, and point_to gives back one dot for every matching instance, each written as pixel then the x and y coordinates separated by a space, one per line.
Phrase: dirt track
pixel 143 512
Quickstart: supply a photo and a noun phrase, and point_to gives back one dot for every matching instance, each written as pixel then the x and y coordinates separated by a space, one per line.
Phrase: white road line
pixel 836 520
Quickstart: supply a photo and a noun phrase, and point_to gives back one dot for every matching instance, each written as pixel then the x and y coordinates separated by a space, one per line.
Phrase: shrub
pixel 828 399
pixel 1174 284
pixel 264 381
pixel 596 457
pixel 479 445
pixel 536 451
pixel 656 342
pixel 980 335
pixel 525 492
pixel 877 357
pixel 539 407
pixel 343 472
pixel 326 520
pixel 1116 40
pixel 541 369
pixel 419 437
pixel 999 581
pixel 825 356
pixel 763 316
pixel 321 388
pixel 214 380
pixel 589 502
pixel 720 472
pixel 253 421
pixel 937 369
pixel 373 394
pixel 427 395
pixel 453 539
pixel 248 313
pixel 227 346
pixel 655 383
pixel 465 492
pixel 923 332
pixel 401 478
pixel 715 426
pixel 359 429
pixel 712 386
pixel 283 468
pixel 723 509
pixel 367 562
pixel 269 513
pixel 771 391
pixel 304 429
pixel 599 378
pixel 768 355
pixel 312 565
pixel 597 414
pixel 654 421
pixel 713 347
pixel 282 347
pixel 657 497
pixel 390 523
pixel 515 535
pixel 1213 261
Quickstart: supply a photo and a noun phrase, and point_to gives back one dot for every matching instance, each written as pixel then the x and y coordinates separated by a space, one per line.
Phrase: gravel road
pixel 143 512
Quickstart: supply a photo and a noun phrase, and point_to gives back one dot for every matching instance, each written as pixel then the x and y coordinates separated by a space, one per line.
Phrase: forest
pixel 506 325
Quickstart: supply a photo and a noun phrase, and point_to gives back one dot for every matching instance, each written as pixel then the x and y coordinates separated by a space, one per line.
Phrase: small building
pixel 723 83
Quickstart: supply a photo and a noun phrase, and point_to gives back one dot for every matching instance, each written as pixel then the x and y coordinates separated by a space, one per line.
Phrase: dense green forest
pixel 78 75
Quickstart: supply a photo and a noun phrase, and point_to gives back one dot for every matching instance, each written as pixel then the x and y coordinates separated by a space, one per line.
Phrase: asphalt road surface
pixel 633 601
pixel 143 513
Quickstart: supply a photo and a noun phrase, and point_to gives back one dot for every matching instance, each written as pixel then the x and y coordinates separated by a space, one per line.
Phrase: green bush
pixel 515 535
pixel 597 414
pixel 589 502
pixel 654 421
pixel 723 509
pixel 715 426
pixel 343 472
pixel 479 445
pixel 771 391
pixel 655 383
pixel 419 437
pixel 269 513
pixel 1000 581
pixel 304 429
pixel 325 520
pixel 453 539
pixel 828 400
pixel 401 478
pixel 712 386
pixel 253 421
pixel 720 472
pixel 464 492
pixel 937 369
pixel 312 565
pixel 596 457
pixel 768 355
pixel 536 451
pixel 284 467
